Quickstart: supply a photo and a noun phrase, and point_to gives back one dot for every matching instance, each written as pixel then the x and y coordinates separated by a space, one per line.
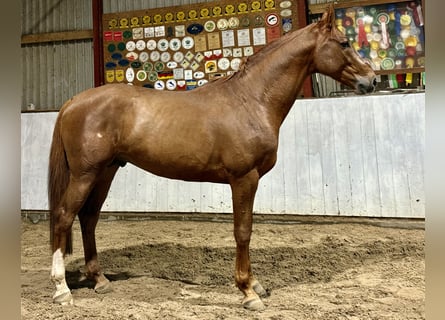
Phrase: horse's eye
pixel 345 44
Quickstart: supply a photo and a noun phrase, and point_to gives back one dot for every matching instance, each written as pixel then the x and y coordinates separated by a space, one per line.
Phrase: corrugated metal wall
pixel 55 71
pixel 41 16
pixel 130 5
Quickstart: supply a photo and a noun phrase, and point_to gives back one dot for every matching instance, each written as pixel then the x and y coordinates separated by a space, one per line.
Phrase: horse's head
pixel 333 56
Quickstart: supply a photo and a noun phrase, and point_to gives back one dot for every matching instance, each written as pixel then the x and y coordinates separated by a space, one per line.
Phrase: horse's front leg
pixel 243 194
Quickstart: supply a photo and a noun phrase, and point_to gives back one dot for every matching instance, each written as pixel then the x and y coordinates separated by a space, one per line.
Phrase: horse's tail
pixel 58 178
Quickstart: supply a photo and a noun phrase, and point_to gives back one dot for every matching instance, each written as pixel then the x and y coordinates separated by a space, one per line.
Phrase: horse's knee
pixel 242 235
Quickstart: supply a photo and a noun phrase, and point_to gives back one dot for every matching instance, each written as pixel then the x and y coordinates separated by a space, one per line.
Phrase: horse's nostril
pixel 362 88
pixel 374 82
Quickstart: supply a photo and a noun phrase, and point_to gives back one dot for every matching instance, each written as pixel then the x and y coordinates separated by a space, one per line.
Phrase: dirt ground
pixel 163 269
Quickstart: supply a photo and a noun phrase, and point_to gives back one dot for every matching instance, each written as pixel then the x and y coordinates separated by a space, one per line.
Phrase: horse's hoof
pixel 63 299
pixel 258 288
pixel 254 304
pixel 103 287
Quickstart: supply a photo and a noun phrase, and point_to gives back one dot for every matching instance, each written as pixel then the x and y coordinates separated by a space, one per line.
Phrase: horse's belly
pixel 187 173
pixel 185 167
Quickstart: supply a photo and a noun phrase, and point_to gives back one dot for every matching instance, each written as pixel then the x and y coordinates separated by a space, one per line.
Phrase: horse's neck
pixel 274 77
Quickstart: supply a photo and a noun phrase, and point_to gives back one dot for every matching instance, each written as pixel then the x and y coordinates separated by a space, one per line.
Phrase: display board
pixel 390 35
pixel 184 47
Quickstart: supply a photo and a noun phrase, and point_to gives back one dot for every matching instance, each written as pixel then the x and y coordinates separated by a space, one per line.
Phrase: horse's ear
pixel 328 17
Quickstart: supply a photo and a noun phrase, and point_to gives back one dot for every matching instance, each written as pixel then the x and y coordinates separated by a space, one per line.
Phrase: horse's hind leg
pixel 73 199
pixel 88 217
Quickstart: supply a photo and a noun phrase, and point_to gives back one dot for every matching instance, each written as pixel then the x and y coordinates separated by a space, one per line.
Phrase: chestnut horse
pixel 223 132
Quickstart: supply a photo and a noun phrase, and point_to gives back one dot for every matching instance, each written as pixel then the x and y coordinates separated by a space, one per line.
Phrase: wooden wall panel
pixel 355 156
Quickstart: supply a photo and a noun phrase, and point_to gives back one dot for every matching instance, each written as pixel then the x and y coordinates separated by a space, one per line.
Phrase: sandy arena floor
pixel 184 270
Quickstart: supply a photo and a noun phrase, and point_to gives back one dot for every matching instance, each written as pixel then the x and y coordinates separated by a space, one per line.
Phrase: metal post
pixel 97 8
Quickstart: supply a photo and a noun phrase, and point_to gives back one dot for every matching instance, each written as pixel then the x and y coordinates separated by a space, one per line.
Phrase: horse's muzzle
pixel 366 85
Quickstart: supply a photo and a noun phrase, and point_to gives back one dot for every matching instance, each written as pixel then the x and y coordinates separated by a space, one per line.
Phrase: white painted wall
pixel 353 156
